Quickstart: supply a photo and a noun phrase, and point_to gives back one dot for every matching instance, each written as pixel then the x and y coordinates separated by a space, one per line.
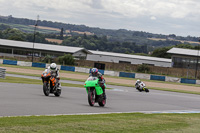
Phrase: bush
pixel 66 59
pixel 143 68
pixel 48 59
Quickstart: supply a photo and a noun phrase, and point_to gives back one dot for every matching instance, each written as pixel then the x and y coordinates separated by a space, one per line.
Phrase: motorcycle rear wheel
pixel 57 93
pixel 102 103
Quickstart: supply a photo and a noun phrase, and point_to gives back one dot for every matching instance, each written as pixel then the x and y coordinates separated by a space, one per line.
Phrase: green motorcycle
pixel 94 91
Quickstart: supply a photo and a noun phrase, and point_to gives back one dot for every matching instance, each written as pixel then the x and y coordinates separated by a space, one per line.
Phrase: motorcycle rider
pixel 95 72
pixel 137 84
pixel 55 78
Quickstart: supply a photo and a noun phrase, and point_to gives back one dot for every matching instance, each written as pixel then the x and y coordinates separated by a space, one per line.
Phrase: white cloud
pixel 153 18
pixel 110 13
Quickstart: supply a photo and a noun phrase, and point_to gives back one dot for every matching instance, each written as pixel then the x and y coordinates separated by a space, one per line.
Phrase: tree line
pixel 89 42
pixel 121 35
pixel 92 42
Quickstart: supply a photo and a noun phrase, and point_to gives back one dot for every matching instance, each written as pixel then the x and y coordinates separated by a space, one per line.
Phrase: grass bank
pixel 80 73
pixel 32 81
pixel 116 123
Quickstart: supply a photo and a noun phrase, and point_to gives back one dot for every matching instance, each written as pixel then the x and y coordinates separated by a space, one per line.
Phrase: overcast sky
pixel 180 17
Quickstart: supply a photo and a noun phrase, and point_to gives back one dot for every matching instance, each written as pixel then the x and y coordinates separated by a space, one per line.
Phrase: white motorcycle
pixel 141 87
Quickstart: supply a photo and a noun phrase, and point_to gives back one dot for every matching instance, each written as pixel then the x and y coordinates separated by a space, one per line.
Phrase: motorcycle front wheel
pixel 91 98
pixel 146 90
pixel 46 89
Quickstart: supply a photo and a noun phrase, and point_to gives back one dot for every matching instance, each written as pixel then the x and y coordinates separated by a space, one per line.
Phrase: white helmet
pixel 53 67
pixel 138 81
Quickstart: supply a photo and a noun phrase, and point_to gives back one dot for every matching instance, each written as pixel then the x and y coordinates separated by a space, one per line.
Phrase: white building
pixel 185 58
pixel 127 58
pixel 20 48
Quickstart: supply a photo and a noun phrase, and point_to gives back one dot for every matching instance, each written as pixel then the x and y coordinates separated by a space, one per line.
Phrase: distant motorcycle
pixel 141 87
pixel 48 86
pixel 95 92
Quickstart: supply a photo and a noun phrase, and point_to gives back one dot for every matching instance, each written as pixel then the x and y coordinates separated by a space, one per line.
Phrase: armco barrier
pixel 1 61
pixel 111 73
pixel 128 75
pixel 155 77
pixel 198 82
pixel 23 63
pixel 42 65
pixel 172 79
pixel 81 69
pixel 142 76
pixel 188 81
pixel 68 68
pixel 10 62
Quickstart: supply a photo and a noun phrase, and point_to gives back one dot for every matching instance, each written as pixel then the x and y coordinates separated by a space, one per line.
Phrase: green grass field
pixel 29 29
pixel 109 123
pixel 32 81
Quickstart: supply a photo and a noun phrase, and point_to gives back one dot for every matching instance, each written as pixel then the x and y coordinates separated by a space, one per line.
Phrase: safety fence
pixel 104 72
pixel 2 72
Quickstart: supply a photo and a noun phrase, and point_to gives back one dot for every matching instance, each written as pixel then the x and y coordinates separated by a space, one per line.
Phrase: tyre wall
pixel 1 61
pixel 81 69
pixel 110 73
pixel 22 63
pixel 10 62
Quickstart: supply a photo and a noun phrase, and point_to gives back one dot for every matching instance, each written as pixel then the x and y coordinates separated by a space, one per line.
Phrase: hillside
pixel 121 35
pixel 119 41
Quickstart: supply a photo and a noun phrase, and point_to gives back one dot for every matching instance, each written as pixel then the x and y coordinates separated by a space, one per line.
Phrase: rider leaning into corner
pixel 55 78
pixel 96 73
pixel 137 83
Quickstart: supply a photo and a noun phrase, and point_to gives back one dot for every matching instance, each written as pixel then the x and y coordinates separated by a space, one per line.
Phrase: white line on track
pixel 145 112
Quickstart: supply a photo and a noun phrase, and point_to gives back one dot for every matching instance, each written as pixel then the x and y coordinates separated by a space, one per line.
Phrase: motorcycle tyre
pixel 57 93
pixel 139 90
pixel 46 90
pixel 91 98
pixel 102 103
pixel 146 90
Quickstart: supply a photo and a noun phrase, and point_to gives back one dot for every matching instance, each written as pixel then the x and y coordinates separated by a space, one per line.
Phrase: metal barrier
pixel 155 77
pixel 128 75
pixel 2 72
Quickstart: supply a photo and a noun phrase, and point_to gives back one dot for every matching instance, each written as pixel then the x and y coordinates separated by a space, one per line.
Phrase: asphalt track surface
pixel 25 99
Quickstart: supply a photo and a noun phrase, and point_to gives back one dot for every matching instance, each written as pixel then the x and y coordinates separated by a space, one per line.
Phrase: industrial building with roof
pixel 19 48
pixel 184 58
pixel 127 58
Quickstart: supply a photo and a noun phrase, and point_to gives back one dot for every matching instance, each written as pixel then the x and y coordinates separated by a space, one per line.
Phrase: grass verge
pixel 174 90
pixel 32 81
pixel 80 73
pixel 116 123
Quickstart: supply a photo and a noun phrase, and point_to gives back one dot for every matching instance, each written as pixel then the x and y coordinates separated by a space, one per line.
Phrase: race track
pixel 24 99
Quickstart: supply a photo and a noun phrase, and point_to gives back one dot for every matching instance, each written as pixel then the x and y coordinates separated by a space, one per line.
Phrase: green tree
pixel 143 68
pixel 188 46
pixel 48 59
pixel 161 52
pixel 66 59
